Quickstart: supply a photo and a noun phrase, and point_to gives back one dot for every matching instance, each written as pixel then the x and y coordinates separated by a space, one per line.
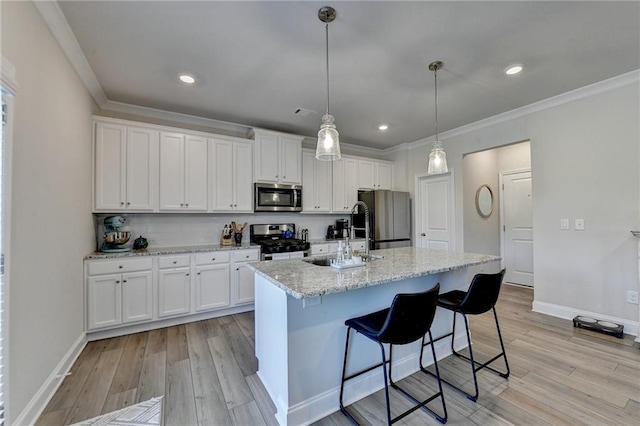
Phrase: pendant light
pixel 437 156
pixel 328 148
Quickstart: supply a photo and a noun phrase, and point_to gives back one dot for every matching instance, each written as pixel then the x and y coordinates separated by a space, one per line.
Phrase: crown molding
pixel 59 27
pixel 561 99
pixel 230 129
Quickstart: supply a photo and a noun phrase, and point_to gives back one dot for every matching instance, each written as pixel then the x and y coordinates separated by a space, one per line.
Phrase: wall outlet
pixel 579 224
pixel 564 223
pixel 632 297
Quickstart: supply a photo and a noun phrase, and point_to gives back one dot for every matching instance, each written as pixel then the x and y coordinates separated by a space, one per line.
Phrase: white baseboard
pixel 567 312
pixel 38 403
pixel 322 405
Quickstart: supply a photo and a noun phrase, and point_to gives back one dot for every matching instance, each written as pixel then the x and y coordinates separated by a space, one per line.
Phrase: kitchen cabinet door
pixel 110 167
pixel 374 175
pixel 171 171
pixel 212 287
pixel 137 296
pixel 243 177
pixel 104 296
pixel 231 176
pixel 174 292
pixel 195 173
pixel 242 277
pixel 316 184
pixel 290 157
pixel 384 176
pixel 267 161
pixel 278 158
pixel 142 169
pixel 345 185
pixel 183 172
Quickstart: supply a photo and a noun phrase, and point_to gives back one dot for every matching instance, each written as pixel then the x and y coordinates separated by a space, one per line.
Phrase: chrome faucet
pixel 366 224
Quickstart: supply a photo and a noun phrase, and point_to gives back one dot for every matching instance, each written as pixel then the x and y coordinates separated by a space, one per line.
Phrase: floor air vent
pixel 605 327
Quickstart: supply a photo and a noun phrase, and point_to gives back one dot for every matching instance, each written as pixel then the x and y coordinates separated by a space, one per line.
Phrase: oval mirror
pixel 484 201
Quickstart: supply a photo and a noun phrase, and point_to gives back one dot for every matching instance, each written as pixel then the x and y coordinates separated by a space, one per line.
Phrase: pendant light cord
pixel 435 79
pixel 327 46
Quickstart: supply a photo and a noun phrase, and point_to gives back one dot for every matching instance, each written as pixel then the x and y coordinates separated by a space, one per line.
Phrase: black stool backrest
pixel 482 294
pixel 409 317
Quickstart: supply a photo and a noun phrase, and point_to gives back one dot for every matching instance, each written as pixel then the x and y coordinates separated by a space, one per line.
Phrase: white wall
pixel 482 235
pixel 52 227
pixel 584 160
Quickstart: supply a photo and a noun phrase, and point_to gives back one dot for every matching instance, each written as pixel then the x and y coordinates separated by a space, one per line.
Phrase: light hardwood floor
pixel 206 371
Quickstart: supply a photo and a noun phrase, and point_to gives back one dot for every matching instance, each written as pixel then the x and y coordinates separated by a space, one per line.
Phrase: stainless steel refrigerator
pixel 389 218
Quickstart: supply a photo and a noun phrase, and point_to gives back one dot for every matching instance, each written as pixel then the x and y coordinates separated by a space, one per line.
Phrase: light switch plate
pixel 579 224
pixel 564 224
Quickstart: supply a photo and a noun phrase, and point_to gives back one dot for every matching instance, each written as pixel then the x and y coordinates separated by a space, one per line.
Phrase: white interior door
pixel 517 221
pixel 434 212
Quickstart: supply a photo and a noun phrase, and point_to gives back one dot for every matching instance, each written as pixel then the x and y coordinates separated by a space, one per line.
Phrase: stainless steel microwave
pixel 276 197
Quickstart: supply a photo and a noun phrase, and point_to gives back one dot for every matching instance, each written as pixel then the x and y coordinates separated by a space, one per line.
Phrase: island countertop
pixel 301 279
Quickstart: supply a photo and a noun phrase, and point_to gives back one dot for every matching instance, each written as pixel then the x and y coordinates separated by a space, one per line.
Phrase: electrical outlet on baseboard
pixel 632 297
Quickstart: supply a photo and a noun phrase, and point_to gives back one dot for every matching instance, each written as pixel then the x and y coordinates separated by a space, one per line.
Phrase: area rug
pixel 147 413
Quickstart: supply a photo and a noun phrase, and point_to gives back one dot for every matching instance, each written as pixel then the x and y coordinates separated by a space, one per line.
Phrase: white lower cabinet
pixel 212 281
pixel 243 277
pixel 174 292
pixel 119 298
pixel 121 292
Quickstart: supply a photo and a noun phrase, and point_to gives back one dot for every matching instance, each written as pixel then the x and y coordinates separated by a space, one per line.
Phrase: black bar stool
pixel 480 298
pixel 408 319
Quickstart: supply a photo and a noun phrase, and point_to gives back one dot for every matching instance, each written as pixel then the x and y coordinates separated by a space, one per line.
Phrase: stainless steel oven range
pixel 278 241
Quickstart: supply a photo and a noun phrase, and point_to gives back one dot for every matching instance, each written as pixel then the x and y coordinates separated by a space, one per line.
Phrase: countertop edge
pixel 168 250
pixel 333 290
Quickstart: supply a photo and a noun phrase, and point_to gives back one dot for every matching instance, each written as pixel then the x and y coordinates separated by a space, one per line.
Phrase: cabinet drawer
pixel 100 267
pixel 246 255
pixel 173 261
pixel 320 249
pixel 211 258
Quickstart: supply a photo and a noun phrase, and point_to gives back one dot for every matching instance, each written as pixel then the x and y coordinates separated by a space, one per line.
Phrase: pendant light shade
pixel 437 156
pixel 328 148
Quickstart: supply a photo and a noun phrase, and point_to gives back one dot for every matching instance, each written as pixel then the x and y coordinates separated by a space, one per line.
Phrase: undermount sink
pixel 319 262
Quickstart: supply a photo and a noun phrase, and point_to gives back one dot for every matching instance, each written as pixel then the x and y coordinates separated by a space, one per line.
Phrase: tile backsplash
pixel 180 229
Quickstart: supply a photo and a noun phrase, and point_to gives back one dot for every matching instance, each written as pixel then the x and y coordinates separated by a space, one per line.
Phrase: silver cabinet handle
pixel 117 282
pixel 198 273
pixel 187 274
pixel 122 203
pixel 186 205
pixel 423 234
pixel 175 261
pixel 124 281
pixel 213 259
pixel 119 266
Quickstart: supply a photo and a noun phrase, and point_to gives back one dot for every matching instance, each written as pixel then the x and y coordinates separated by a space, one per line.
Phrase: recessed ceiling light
pixel 383 127
pixel 514 69
pixel 186 78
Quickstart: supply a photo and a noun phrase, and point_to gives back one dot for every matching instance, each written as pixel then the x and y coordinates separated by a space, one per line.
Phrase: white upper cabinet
pixel 183 172
pixel 231 175
pixel 345 185
pixel 316 184
pixel 373 174
pixel 278 158
pixel 126 166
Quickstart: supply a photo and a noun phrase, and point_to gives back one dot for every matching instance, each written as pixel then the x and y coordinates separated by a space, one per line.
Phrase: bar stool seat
pixel 480 298
pixel 407 320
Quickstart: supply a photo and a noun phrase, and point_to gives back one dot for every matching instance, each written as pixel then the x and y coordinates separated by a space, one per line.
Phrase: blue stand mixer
pixel 113 237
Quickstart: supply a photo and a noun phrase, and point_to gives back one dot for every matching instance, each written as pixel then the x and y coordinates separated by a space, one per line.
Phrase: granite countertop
pixel 301 279
pixel 153 251
pixel 332 240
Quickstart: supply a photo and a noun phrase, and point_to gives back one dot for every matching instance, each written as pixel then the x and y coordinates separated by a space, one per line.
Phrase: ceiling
pixel 255 63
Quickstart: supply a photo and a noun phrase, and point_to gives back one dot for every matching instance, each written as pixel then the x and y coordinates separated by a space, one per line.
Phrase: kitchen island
pixel 300 310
